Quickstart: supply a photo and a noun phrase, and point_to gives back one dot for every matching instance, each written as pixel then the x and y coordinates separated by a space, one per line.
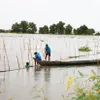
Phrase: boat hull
pixel 65 63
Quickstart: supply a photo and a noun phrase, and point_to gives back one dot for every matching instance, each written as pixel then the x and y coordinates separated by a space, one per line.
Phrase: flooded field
pixel 16 50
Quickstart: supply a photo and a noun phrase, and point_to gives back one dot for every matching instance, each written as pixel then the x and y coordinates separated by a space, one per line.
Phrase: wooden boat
pixel 65 63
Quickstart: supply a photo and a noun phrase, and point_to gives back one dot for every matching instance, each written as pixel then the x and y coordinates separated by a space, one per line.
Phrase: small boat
pixel 65 63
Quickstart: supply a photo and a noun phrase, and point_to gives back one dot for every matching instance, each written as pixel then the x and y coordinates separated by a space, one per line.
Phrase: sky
pixel 47 12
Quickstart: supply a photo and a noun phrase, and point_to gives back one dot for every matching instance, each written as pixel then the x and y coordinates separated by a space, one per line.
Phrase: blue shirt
pixel 38 56
pixel 48 50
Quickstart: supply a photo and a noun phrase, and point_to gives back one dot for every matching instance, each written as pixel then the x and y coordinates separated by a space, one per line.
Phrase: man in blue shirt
pixel 37 57
pixel 47 52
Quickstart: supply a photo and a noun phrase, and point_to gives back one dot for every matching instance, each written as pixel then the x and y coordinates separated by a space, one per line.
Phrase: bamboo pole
pixel 18 61
pixel 28 53
pixel 21 54
pixel 24 44
pixel 30 50
pixel 4 63
pixel 36 45
pixel 33 43
pixel 4 46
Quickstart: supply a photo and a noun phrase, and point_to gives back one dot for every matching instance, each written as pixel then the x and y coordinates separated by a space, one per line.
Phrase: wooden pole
pixel 24 44
pixel 6 54
pixel 4 63
pixel 28 53
pixel 21 54
pixel 18 61
pixel 30 50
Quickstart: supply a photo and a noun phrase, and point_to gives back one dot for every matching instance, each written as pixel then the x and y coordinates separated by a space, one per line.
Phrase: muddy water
pixel 18 84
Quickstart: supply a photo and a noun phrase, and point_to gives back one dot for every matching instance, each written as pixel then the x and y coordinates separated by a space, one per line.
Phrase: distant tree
pixel 2 31
pixel 84 30
pixel 75 31
pixel 68 29
pixel 90 31
pixel 31 28
pixel 60 27
pixel 44 30
pixel 98 33
pixel 81 30
pixel 15 28
pixel 41 30
pixel 53 28
pixel 24 26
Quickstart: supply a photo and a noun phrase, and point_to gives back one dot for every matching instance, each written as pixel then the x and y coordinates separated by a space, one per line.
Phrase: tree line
pixel 59 28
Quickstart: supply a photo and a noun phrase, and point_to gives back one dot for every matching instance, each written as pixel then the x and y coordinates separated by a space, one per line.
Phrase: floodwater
pixel 48 82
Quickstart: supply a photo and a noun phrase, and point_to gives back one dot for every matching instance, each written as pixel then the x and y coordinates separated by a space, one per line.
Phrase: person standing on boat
pixel 47 52
pixel 37 58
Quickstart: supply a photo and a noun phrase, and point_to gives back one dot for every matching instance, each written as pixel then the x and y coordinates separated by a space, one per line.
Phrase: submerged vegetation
pixel 58 28
pixel 84 49
pixel 74 56
pixel 38 93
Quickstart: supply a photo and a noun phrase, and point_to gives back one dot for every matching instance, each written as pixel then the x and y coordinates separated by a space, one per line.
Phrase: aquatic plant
pixel 87 90
pixel 42 40
pixel 10 98
pixel 74 56
pixel 38 93
pixel 84 49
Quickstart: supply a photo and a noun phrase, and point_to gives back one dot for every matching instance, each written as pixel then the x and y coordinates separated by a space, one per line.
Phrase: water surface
pixel 18 84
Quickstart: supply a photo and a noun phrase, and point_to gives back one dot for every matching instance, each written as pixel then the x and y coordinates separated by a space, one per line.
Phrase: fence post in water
pixel 23 44
pixel 4 63
pixel 6 53
pixel 30 50
pixel 18 61
pixel 21 54
pixel 28 53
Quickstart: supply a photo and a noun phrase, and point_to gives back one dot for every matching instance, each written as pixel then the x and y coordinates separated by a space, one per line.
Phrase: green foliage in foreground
pixel 87 90
pixel 84 49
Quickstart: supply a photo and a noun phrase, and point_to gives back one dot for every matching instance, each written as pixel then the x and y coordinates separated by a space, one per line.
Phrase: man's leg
pixel 46 57
pixel 35 61
pixel 49 57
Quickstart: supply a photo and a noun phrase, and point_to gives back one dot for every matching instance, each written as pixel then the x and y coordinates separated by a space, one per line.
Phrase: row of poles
pixel 22 49
pixel 29 48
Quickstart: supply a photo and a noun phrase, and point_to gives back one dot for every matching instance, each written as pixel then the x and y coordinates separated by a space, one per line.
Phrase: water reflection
pixel 47 74
pixel 37 73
